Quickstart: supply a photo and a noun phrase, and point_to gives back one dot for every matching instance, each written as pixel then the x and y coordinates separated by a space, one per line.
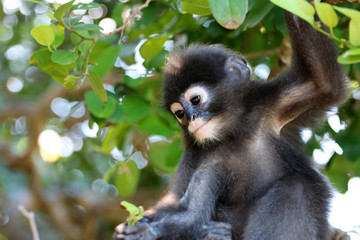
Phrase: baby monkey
pixel 243 174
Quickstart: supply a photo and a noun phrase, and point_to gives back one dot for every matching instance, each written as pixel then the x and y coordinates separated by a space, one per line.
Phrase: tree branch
pixel 263 53
pixel 126 22
pixel 31 218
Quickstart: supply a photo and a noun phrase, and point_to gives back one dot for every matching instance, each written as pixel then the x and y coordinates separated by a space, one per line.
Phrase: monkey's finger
pixel 218 235
pixel 120 236
pixel 120 228
pixel 138 227
pixel 214 236
pixel 216 225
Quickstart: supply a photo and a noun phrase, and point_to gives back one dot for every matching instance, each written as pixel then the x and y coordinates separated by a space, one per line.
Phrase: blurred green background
pixel 70 158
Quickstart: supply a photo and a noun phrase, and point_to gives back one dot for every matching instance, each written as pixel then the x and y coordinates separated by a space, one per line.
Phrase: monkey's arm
pixel 181 181
pixel 315 80
pixel 189 216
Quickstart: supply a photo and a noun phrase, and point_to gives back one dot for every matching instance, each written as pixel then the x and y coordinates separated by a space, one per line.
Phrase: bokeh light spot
pixel 108 25
pixel 50 145
pixel 14 84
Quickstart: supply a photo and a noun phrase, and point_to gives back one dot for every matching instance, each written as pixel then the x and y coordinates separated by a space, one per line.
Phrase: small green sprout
pixel 136 213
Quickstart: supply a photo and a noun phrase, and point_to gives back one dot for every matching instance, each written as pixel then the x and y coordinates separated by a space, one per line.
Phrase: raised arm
pixel 315 80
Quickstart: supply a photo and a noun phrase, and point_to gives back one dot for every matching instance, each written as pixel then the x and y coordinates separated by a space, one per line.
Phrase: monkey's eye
pixel 178 110
pixel 179 114
pixel 196 95
pixel 195 100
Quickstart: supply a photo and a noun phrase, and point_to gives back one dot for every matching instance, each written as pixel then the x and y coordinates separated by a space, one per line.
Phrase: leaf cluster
pixel 74 65
pixel 131 114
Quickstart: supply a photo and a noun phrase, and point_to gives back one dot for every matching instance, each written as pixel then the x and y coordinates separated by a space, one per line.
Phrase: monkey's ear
pixel 236 63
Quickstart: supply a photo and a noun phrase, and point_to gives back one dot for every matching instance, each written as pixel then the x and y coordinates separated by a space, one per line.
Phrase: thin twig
pixel 31 218
pixel 126 22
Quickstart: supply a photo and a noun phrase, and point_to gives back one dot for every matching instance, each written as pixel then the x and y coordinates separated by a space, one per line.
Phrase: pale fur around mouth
pixel 203 125
pixel 202 129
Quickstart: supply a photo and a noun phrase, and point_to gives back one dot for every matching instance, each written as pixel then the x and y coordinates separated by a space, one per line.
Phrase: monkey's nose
pixel 193 117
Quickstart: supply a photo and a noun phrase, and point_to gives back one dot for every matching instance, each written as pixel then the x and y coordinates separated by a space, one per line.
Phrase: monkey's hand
pixel 142 230
pixel 215 231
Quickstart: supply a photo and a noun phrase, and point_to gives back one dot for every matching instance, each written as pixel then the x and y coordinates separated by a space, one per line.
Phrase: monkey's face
pixel 203 88
pixel 193 113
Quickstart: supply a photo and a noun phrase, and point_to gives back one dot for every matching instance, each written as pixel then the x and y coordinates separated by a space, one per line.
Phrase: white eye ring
pixel 177 109
pixel 195 91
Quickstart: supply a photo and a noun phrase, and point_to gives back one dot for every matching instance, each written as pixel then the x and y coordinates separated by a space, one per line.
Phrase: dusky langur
pixel 243 174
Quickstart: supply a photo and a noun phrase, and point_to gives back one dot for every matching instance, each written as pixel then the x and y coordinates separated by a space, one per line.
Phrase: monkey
pixel 244 174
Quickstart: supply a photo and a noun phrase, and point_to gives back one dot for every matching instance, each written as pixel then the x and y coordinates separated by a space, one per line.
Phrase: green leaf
pixel 84 47
pixel 57 72
pixel 165 156
pixel 258 11
pixel 136 213
pixel 39 2
pixel 198 7
pixel 351 13
pixel 300 8
pixel 349 142
pixel 42 60
pixel 43 34
pixel 133 83
pixel 134 107
pixel 174 153
pixel 118 116
pixel 69 82
pixel 153 125
pixel 85 6
pixel 152 47
pixel 129 206
pixel 89 27
pixel 353 51
pixel 62 10
pixel 326 14
pixel 69 22
pixel 51 16
pixel 105 61
pixel 98 49
pixel 56 5
pixel 116 14
pixel 349 57
pixel 157 61
pixel 115 137
pixel 148 18
pixel 354 32
pixel 80 64
pixel 229 13
pixel 339 180
pixel 127 178
pixel 64 57
pixel 97 107
pixel 338 172
pixel 98 86
pixel 75 39
pixel 59 31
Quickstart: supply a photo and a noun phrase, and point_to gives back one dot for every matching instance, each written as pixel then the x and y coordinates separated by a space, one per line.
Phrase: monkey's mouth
pixel 202 126
pixel 202 129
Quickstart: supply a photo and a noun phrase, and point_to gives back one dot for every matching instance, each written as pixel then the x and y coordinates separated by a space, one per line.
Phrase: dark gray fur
pixel 254 182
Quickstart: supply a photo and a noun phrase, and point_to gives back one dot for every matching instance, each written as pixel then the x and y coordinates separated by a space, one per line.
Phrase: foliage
pixel 136 213
pixel 116 74
pixel 327 15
